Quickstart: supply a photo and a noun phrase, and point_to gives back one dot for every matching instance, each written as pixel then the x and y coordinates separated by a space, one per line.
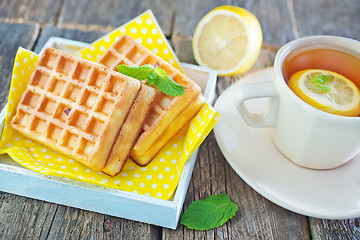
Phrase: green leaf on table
pixel 154 76
pixel 209 213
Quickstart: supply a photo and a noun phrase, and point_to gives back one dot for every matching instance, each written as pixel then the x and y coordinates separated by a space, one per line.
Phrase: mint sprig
pixel 209 213
pixel 154 75
pixel 319 81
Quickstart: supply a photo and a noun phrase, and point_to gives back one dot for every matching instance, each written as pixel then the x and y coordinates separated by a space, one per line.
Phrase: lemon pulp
pixel 341 96
pixel 228 39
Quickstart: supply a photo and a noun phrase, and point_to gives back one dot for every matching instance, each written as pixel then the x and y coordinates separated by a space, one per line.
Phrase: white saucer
pixel 330 194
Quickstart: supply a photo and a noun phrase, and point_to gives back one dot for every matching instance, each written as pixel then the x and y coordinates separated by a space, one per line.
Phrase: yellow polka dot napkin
pixel 158 179
pixel 145 30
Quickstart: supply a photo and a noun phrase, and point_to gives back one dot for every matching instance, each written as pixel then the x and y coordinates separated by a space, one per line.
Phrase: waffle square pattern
pixel 75 107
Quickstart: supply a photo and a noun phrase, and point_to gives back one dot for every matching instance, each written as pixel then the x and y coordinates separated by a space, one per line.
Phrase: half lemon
pixel 327 91
pixel 228 39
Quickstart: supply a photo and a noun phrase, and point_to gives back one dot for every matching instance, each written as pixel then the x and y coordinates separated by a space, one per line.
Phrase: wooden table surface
pixel 29 23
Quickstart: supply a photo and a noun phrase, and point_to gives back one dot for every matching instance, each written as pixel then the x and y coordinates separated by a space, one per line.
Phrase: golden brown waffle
pixel 75 107
pixel 129 131
pixel 180 122
pixel 165 109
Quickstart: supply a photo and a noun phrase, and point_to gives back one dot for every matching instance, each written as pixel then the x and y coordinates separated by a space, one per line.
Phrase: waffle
pixel 165 109
pixel 180 122
pixel 129 131
pixel 75 107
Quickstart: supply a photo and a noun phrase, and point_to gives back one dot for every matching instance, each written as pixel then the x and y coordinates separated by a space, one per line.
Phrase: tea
pixel 314 136
pixel 322 58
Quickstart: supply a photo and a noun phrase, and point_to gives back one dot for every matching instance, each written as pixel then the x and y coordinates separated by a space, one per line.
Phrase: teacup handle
pixel 251 90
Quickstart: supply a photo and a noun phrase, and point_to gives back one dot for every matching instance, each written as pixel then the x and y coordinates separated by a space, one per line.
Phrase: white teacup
pixel 307 136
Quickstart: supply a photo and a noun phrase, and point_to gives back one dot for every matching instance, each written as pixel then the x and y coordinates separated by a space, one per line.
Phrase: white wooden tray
pixel 18 180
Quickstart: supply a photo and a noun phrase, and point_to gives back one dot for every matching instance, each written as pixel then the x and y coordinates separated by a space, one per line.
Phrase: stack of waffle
pixel 98 116
pixel 167 114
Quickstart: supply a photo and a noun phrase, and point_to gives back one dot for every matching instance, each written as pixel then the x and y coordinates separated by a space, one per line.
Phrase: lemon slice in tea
pixel 228 39
pixel 327 91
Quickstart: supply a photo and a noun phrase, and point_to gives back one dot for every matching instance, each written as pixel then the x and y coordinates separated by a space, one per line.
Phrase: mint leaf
pixel 166 84
pixel 318 82
pixel 209 213
pixel 154 76
pixel 139 73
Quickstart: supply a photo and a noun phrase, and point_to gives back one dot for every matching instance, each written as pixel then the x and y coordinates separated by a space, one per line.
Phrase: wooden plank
pixel 259 218
pixel 73 34
pixel 72 223
pixel 25 218
pixel 111 14
pixel 41 11
pixel 274 18
pixel 183 48
pixel 12 37
pixel 332 229
pixel 329 17
pixel 21 218
pixel 188 14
